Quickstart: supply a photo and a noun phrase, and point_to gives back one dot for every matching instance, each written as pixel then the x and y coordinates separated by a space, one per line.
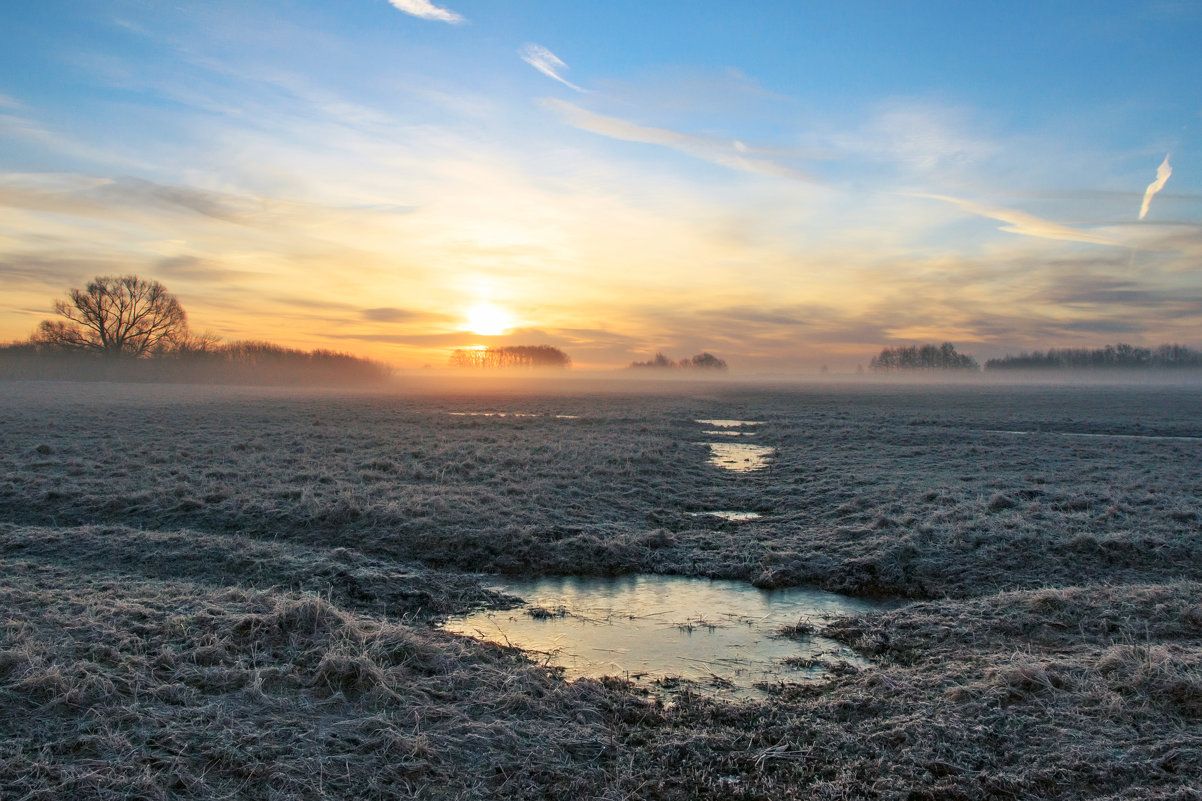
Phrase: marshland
pixel 217 592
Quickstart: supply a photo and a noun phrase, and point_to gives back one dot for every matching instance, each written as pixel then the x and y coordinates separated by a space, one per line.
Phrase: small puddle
pixel 729 423
pixel 728 515
pixel 492 414
pixel 1087 435
pixel 717 637
pixel 514 414
pixel 738 457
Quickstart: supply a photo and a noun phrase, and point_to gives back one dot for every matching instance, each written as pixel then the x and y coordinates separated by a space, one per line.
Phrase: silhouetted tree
pixel 117 316
pixel 707 361
pixel 1120 356
pixel 530 356
pixel 659 360
pixel 927 357
pixel 704 361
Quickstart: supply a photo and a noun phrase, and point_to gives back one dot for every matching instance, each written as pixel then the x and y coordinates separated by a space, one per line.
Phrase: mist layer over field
pixel 220 592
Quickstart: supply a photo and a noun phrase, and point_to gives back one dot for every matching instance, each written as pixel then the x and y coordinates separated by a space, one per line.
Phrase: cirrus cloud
pixel 1162 177
pixel 727 153
pixel 1019 222
pixel 427 10
pixel 547 63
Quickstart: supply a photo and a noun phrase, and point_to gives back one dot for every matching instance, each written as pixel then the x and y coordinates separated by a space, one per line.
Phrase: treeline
pixel 245 362
pixel 702 361
pixel 925 357
pixel 126 328
pixel 1110 357
pixel 511 356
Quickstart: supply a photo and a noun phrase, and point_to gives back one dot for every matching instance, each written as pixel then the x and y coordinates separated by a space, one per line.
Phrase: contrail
pixel 1162 176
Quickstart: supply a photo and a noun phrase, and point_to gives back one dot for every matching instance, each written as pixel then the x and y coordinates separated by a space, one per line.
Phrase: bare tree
pixel 117 316
pixel 927 357
pixel 511 356
pixel 702 361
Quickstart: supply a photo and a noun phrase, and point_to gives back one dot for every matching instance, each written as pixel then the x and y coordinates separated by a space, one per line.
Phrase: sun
pixel 487 319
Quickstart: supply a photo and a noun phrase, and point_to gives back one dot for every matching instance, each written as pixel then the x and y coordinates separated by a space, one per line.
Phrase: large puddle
pixel 718 637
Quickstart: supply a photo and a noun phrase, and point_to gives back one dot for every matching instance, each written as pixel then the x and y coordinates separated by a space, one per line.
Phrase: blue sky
pixel 784 184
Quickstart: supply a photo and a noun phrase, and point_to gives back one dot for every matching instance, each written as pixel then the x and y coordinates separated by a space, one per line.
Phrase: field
pixel 231 593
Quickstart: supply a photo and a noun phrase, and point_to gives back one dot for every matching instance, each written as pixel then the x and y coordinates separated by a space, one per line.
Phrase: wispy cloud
pixel 1162 176
pixel 547 63
pixel 1019 222
pixel 389 314
pixel 727 153
pixel 427 10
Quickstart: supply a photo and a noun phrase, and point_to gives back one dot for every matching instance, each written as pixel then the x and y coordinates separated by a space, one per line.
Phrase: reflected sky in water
pixel 738 457
pixel 720 635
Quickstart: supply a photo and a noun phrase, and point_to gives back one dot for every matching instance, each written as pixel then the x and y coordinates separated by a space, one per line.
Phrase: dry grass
pixel 885 491
pixel 231 597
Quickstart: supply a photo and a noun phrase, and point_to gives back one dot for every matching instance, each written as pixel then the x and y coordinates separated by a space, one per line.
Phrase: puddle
pixel 740 458
pixel 492 414
pixel 728 515
pixel 723 433
pixel 718 637
pixel 1086 435
pixel 729 423
pixel 514 414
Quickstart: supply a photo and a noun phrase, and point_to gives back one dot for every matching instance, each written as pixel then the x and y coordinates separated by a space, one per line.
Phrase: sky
pixel 788 185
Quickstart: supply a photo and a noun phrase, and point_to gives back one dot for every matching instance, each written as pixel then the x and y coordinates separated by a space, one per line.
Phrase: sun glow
pixel 488 319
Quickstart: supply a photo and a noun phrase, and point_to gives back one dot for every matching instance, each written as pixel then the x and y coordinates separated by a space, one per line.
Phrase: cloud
pixel 727 153
pixel 427 10
pixel 454 339
pixel 89 196
pixel 194 268
pixel 547 63
pixel 394 315
pixel 147 194
pixel 1162 176
pixel 1019 222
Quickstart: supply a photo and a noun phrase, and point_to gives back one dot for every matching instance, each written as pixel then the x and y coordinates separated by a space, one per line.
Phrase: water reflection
pixel 492 414
pixel 718 636
pixel 513 414
pixel 728 515
pixel 738 457
pixel 1090 435
pixel 730 423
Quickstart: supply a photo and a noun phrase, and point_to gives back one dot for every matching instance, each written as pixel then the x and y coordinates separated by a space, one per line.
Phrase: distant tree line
pixel 1110 357
pixel 125 328
pixel 245 362
pixel 702 361
pixel 925 357
pixel 511 356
